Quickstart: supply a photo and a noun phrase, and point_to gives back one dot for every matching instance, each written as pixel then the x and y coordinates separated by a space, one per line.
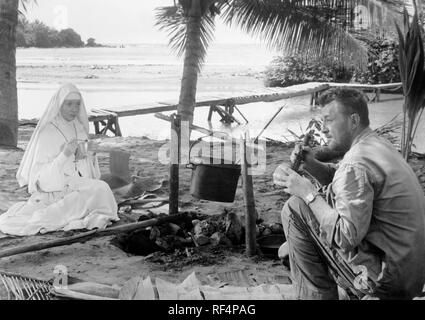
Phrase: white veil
pixel 24 172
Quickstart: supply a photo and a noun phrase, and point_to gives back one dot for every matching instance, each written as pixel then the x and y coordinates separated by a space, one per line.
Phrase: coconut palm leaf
pixel 24 4
pixel 412 74
pixel 174 21
pixel 316 27
pixel 25 288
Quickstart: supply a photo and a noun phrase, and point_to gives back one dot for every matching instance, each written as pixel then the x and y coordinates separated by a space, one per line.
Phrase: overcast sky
pixel 115 21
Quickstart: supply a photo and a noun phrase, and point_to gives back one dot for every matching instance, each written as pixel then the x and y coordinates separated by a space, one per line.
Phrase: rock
pixel 155 233
pixel 277 228
pixel 267 232
pixel 125 209
pixel 220 238
pixel 234 228
pixel 174 229
pixel 202 240
pixel 195 222
pixel 204 228
pixel 261 228
pixel 163 244
pixel 91 76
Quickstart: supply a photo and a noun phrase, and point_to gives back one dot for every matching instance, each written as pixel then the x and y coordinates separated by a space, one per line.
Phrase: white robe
pixel 67 195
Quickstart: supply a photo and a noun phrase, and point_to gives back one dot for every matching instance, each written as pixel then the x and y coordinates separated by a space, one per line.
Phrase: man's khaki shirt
pixel 378 220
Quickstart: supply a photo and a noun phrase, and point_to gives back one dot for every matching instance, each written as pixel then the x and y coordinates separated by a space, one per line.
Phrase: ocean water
pixel 144 55
pixel 139 74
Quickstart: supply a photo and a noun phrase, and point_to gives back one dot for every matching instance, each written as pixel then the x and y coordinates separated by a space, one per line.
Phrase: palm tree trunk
pixel 191 63
pixel 8 90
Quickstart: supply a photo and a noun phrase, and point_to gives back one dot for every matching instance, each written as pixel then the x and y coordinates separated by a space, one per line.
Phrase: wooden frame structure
pixel 107 119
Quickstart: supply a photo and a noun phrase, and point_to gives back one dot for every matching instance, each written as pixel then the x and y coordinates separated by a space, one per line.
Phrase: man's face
pixel 337 126
pixel 70 109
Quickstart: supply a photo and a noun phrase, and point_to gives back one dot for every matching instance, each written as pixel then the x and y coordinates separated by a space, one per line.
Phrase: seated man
pixel 369 236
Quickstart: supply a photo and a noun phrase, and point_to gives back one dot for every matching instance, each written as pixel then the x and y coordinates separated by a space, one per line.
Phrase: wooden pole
pixel 174 165
pixel 237 109
pixel 249 201
pixel 89 235
pixel 268 124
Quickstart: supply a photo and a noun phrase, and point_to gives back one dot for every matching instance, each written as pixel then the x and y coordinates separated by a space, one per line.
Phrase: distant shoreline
pixel 64 47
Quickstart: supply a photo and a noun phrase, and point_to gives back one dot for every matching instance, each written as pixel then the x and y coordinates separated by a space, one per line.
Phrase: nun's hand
pixel 70 148
pixel 92 147
pixel 292 182
pixel 81 152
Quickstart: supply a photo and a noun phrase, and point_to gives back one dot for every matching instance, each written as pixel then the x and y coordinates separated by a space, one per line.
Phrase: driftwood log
pixel 89 235
pixel 142 202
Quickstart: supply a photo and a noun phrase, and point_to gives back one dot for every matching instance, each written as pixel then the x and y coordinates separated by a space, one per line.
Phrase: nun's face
pixel 70 109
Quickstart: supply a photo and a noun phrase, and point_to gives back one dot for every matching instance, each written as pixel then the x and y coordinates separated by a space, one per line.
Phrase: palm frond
pixel 25 288
pixel 412 74
pixel 174 21
pixel 317 28
pixel 24 4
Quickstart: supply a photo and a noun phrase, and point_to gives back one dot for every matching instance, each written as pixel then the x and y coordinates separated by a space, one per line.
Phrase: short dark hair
pixel 354 101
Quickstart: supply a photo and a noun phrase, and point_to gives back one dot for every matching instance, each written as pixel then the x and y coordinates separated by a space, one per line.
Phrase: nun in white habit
pixel 61 175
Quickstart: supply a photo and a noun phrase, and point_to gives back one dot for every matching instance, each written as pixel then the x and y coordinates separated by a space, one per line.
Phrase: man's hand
pixel 307 155
pixel 292 182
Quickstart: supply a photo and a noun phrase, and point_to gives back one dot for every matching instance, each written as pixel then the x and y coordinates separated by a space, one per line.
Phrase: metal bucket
pixel 214 182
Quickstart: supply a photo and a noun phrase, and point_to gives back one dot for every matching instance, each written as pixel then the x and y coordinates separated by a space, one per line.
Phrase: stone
pixel 125 209
pixel 174 229
pixel 154 234
pixel 202 240
pixel 267 232
pixel 204 228
pixel 220 238
pixel 234 228
pixel 277 228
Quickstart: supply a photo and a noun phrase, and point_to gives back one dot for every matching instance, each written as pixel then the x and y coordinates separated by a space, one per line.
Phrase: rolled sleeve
pixel 347 225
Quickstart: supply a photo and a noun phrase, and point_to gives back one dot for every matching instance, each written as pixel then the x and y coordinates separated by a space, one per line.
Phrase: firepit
pixel 191 235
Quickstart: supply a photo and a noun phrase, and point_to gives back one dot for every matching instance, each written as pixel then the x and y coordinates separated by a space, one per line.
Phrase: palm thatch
pixel 19 287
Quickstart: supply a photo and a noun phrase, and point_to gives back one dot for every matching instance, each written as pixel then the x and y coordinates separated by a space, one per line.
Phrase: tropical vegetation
pixel 412 75
pixel 382 66
pixel 317 28
pixel 39 35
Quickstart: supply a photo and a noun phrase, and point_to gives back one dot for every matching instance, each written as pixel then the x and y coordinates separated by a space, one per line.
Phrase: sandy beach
pixel 102 262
